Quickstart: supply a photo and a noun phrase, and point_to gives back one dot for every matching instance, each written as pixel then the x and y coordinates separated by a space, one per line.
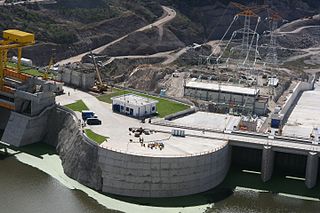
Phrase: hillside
pixel 71 27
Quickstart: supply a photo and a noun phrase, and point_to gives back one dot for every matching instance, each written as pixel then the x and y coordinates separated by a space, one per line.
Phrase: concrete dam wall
pixel 136 175
pixel 20 130
pixel 141 176
pixel 132 175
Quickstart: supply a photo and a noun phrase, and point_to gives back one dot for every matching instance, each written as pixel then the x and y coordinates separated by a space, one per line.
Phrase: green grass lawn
pixel 164 107
pixel 77 106
pixel 99 139
pixel 27 70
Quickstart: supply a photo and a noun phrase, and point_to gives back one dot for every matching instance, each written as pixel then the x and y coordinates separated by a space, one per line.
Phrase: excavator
pixel 100 86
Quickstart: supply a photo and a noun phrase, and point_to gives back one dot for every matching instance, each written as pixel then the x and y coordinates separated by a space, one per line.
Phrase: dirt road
pixel 169 14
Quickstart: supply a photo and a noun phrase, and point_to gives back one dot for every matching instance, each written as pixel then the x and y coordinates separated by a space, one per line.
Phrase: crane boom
pixel 96 68
pixel 100 86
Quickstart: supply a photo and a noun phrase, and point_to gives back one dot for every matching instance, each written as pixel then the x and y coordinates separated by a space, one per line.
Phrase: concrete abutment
pixel 312 170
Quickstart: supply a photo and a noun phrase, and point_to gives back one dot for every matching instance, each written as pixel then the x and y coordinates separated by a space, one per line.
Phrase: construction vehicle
pixel 99 86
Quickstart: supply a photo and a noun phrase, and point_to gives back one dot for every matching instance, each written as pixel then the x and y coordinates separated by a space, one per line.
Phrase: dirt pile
pixel 120 69
pixel 148 78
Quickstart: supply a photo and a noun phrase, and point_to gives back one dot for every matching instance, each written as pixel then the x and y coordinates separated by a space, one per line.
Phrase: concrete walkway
pixel 305 115
pixel 196 142
pixel 116 127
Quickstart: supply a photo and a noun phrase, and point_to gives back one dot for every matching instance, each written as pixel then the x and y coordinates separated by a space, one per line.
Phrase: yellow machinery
pixel 99 87
pixel 47 71
pixel 12 39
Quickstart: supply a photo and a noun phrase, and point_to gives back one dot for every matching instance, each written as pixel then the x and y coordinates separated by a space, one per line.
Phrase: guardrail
pixel 182 113
pixel 166 156
pixel 246 134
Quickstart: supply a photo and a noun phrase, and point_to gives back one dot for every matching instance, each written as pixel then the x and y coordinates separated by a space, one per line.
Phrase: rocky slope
pixel 72 27
pixel 79 158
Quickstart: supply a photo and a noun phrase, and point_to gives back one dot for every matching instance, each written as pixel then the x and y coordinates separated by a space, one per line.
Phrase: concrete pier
pixel 267 163
pixel 312 170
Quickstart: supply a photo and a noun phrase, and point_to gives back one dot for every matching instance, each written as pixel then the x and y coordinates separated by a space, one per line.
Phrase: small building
pixel 273 81
pixel 240 99
pixel 134 105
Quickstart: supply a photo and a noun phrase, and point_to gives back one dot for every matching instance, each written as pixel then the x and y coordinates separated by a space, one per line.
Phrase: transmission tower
pixel 250 37
pixel 272 55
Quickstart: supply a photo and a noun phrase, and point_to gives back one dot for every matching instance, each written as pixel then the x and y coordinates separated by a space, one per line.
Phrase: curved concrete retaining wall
pixel 142 176
pixel 132 175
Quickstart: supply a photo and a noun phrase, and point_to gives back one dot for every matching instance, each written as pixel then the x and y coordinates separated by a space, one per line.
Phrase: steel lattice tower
pixel 250 37
pixel 272 54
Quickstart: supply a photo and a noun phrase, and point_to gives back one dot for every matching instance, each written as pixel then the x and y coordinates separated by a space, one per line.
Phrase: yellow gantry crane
pixel 13 39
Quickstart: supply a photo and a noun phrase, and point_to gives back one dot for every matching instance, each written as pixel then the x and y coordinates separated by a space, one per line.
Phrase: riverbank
pixel 42 157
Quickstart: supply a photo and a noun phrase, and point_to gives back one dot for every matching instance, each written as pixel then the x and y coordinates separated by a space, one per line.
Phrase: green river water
pixel 32 180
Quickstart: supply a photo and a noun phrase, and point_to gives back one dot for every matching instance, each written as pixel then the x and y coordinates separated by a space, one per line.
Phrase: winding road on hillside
pixel 292 28
pixel 3 3
pixel 168 56
pixel 169 14
pixel 298 30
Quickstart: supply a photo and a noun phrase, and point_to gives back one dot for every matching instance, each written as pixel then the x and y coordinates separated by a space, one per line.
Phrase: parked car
pixel 94 121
